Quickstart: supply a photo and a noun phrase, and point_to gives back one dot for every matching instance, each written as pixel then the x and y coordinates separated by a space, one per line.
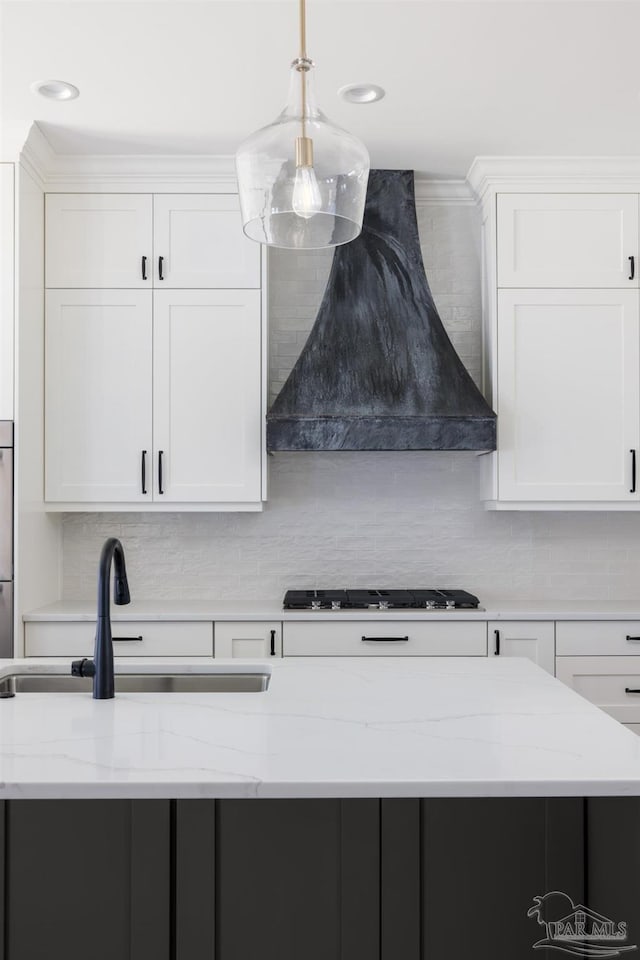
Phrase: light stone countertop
pixel 343 727
pixel 495 608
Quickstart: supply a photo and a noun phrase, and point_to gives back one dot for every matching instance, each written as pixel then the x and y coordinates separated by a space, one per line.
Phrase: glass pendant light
pixel 302 180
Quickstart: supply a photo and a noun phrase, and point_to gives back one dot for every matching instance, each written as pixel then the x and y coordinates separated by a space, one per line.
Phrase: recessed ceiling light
pixel 361 92
pixel 55 89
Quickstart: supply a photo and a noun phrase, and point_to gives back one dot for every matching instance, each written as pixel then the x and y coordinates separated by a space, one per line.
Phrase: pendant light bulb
pixel 306 199
pixel 302 181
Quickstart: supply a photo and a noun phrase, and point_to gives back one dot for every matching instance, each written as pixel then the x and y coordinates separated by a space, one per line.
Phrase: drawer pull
pixel 631 690
pixel 633 639
pixel 496 651
pixel 385 639
pixel 127 639
pixel 272 650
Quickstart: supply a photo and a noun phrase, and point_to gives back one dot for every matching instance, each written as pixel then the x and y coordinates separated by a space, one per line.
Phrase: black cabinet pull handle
pixel 144 268
pixel 632 267
pixel 273 643
pixel 496 649
pixel 633 639
pixel 160 456
pixel 385 639
pixel 633 471
pixel 160 265
pixel 127 639
pixel 631 690
pixel 143 470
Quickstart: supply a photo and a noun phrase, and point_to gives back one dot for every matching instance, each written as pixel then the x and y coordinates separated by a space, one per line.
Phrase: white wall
pixel 377 519
pixel 37 569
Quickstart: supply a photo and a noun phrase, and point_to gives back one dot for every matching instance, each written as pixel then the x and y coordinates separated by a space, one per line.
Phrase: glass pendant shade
pixel 302 180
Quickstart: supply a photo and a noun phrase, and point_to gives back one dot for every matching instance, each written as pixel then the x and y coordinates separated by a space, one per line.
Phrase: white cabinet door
pixel 7 240
pixel 198 242
pixel 207 396
pixel 250 641
pixel 567 240
pixel 98 392
pixel 534 640
pixel 99 240
pixel 568 396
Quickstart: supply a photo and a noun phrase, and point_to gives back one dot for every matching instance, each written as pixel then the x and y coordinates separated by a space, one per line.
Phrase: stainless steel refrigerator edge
pixel 6 538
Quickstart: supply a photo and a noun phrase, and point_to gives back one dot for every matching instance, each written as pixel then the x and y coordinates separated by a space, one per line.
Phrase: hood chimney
pixel 378 371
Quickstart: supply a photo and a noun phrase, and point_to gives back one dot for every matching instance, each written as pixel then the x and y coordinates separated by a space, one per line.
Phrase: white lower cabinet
pixel 600 659
pixel 585 638
pixel 612 683
pixel 534 640
pixel 393 638
pixel 135 638
pixel 247 640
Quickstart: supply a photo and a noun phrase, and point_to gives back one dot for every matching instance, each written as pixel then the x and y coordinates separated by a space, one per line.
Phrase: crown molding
pixel 437 192
pixel 37 155
pixel 166 173
pixel 545 173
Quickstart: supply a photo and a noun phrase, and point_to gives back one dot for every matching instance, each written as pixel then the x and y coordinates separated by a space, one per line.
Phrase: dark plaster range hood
pixel 378 371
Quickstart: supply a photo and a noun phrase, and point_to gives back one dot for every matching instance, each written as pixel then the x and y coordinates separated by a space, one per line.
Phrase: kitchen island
pixel 367 809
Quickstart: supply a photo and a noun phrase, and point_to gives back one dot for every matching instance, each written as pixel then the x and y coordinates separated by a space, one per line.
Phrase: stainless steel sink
pixel 138 683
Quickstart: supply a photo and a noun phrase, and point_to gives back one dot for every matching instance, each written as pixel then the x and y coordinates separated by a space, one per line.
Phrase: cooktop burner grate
pixel 380 600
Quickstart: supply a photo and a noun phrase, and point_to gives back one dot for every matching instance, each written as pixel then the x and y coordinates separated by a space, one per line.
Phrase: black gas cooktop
pixel 379 600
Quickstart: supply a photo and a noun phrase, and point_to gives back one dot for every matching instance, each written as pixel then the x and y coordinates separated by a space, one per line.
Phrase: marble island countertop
pixel 493 608
pixel 326 727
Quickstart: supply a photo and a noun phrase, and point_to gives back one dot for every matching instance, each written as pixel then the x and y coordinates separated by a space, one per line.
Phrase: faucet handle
pixel 121 595
pixel 83 668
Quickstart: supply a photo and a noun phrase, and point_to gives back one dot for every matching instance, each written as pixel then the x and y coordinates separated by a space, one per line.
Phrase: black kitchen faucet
pixel 101 667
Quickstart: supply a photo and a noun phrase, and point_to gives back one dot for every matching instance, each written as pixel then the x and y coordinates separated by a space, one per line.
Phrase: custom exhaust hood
pixel 378 371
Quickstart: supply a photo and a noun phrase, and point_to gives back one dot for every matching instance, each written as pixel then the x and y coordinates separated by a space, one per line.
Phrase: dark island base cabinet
pixel 450 879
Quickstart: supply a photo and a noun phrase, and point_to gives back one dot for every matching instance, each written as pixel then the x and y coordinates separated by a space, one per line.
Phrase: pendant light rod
pixel 304 147
pixel 303 30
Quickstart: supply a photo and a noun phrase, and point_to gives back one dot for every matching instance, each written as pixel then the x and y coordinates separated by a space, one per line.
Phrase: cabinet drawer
pixel 152 639
pixel 612 638
pixel 604 681
pixel 392 638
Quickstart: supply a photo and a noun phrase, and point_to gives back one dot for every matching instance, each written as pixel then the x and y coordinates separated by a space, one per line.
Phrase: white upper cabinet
pixel 568 399
pixel 207 390
pixel 155 396
pixel 567 240
pixel 99 240
pixel 198 242
pixel 140 240
pixel 98 394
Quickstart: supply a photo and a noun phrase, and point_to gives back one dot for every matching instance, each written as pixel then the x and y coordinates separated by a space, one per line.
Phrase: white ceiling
pixel 463 78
